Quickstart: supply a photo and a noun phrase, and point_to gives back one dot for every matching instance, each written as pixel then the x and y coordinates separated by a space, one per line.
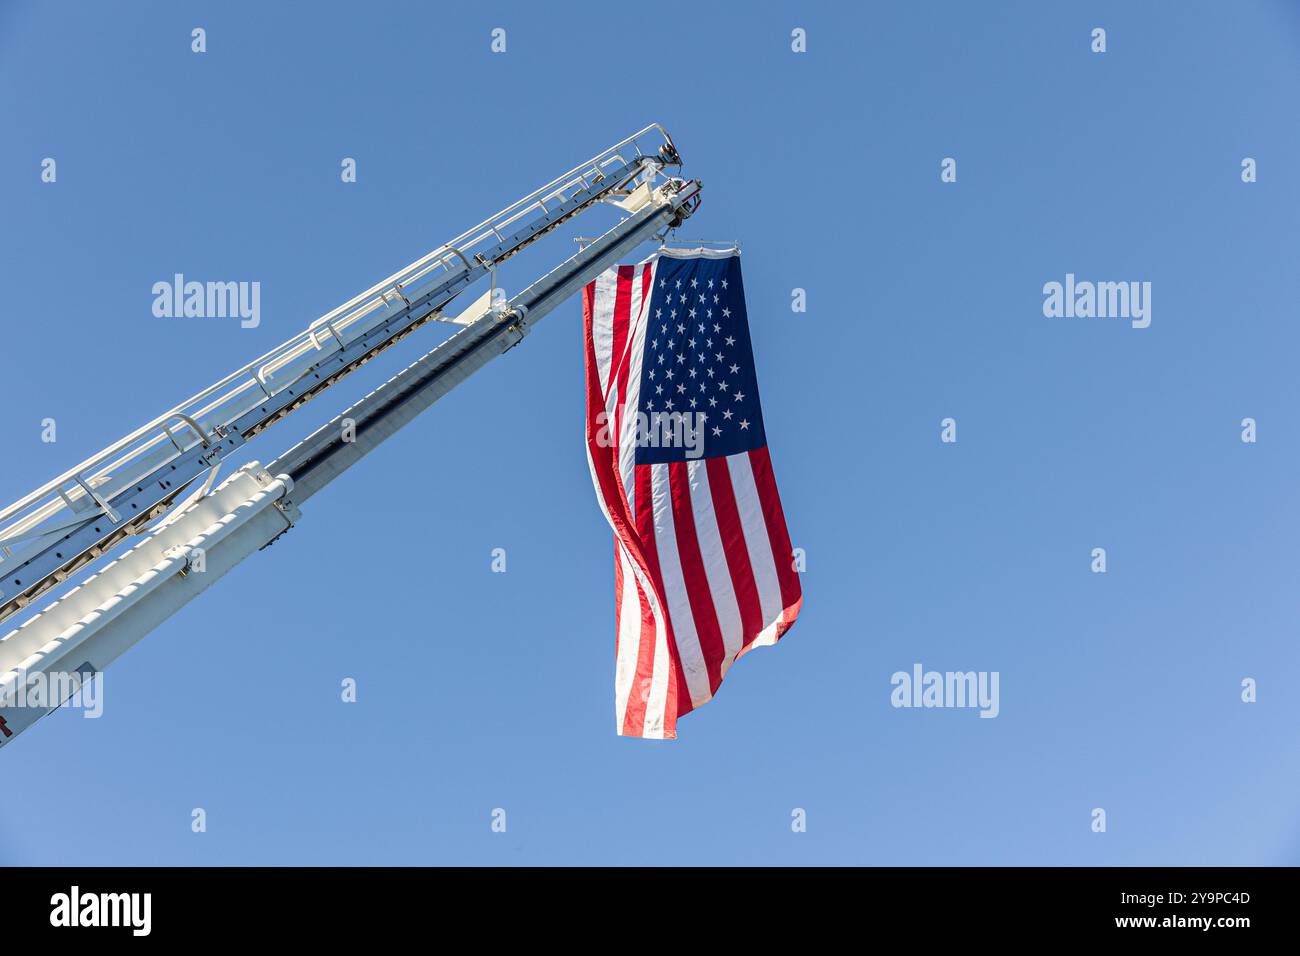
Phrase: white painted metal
pixel 479 307
pixel 92 625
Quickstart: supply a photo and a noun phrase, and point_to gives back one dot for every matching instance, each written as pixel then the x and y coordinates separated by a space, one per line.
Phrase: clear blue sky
pixel 481 690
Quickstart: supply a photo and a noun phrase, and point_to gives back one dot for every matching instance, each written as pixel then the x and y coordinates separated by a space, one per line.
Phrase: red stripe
pixel 634 716
pixel 679 697
pixel 639 693
pixel 623 324
pixel 733 545
pixel 697 583
pixel 647 280
pixel 633 321
pixel 618 600
pixel 620 323
pixel 782 553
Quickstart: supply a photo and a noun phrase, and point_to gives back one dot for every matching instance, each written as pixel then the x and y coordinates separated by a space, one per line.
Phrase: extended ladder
pixel 76 518
pixel 66 524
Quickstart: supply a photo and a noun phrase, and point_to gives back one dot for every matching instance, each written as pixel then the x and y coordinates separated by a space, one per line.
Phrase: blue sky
pixel 479 690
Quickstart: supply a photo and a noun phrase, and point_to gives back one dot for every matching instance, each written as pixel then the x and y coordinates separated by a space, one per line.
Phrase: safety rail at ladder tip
pixel 170 464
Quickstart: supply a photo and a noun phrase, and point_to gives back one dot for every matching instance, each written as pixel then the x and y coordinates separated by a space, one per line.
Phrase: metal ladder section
pixel 91 625
pixel 69 522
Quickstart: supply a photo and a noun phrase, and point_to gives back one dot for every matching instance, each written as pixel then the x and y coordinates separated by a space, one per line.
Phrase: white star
pixel 708 343
pixel 659 313
pixel 726 413
pixel 716 327
pixel 669 404
pixel 710 373
pixel 722 385
pixel 692 373
pixel 663 283
pixel 652 375
pixel 679 284
pixel 717 430
pixel 740 396
pixel 682 297
pixel 659 389
pixel 729 340
pixel 710 283
pixel 735 369
pixel 661 359
pixel 681 358
pixel 726 314
pixel 743 425
pixel 693 282
pixel 681 389
pixel 701 326
pixel 692 314
pixel 715 300
pixel 713 402
pixel 690 343
pixel 724 283
pixel 692 403
pixel 668 374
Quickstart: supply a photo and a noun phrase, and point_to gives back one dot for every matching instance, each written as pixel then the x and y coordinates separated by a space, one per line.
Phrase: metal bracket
pixel 100 500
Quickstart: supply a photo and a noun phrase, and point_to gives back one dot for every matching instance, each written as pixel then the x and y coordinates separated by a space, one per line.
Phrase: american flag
pixel 703 568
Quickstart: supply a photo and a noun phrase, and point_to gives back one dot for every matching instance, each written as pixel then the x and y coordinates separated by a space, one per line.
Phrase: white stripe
pixel 627 433
pixel 657 705
pixel 629 638
pixel 679 608
pixel 619 361
pixel 602 323
pixel 715 562
pixel 757 544
pixel 656 695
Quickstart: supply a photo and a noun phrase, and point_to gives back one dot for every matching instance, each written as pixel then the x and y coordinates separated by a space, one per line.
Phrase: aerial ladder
pixel 159 483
